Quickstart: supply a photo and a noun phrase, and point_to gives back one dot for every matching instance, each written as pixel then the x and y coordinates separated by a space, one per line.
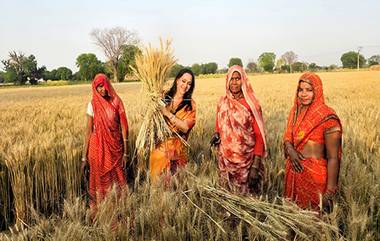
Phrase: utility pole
pixel 359 49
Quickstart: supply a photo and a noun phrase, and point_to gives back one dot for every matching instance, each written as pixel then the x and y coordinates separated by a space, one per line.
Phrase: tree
pixel 373 60
pixel 196 68
pixel 2 77
pixel 64 73
pixel 280 65
pixel 290 57
pixel 235 61
pixel 209 68
pixel 350 60
pixel 176 68
pixel 127 60
pixel 299 66
pixel 314 67
pixel 266 61
pixel 113 41
pixel 20 69
pixel 89 66
pixel 252 67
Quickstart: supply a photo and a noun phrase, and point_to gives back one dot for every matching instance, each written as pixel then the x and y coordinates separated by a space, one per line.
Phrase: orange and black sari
pixel 172 153
pixel 307 127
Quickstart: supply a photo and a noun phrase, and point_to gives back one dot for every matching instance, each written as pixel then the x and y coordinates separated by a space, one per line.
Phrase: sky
pixel 319 31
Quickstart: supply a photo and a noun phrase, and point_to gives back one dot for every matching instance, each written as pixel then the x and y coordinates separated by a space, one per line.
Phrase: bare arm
pixel 89 129
pixel 180 124
pixel 333 145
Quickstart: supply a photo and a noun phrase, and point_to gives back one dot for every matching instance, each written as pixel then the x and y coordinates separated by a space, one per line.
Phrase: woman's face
pixel 305 93
pixel 184 83
pixel 101 90
pixel 235 83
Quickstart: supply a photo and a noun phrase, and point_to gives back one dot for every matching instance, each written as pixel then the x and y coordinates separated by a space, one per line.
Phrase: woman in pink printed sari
pixel 240 135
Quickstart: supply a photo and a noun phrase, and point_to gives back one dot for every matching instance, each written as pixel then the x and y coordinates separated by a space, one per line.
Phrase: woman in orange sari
pixel 240 135
pixel 105 145
pixel 180 115
pixel 312 145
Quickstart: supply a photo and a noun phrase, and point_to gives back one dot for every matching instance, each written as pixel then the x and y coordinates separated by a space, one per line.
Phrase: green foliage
pixel 299 67
pixel 89 66
pixel 350 60
pixel 373 60
pixel 176 68
pixel 314 67
pixel 267 61
pixel 235 61
pixel 20 69
pixel 196 68
pixel 127 59
pixel 209 68
pixel 252 67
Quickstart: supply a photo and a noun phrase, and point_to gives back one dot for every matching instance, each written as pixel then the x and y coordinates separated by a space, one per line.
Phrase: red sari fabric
pixel 306 188
pixel 106 148
pixel 241 129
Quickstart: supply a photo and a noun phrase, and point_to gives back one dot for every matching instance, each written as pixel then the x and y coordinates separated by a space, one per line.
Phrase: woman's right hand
pixel 83 166
pixel 215 139
pixel 295 159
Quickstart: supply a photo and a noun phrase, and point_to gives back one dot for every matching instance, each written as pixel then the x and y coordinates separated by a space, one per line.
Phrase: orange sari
pixel 310 125
pixel 172 153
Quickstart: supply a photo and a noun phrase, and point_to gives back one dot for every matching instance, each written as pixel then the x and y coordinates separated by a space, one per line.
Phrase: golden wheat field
pixel 41 136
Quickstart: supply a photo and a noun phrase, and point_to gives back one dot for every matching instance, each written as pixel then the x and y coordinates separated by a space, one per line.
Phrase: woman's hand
pixel 165 112
pixel 84 167
pixel 124 160
pixel 215 139
pixel 254 176
pixel 295 157
pixel 328 202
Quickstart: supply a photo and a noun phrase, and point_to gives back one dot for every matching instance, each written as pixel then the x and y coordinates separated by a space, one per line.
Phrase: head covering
pixel 300 125
pixel 249 96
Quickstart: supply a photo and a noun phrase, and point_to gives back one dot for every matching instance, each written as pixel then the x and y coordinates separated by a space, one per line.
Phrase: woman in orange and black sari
pixel 179 113
pixel 105 146
pixel 312 145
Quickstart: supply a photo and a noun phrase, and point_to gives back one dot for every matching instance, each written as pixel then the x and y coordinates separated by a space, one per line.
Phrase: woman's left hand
pixel 165 111
pixel 124 160
pixel 328 202
pixel 254 179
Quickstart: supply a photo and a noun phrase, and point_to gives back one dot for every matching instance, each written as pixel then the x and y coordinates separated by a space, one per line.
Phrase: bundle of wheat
pixel 153 66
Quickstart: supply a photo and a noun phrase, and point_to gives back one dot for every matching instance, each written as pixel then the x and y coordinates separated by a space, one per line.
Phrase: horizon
pixel 201 31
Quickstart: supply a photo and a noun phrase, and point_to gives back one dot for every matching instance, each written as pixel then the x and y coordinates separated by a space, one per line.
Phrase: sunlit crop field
pixel 41 137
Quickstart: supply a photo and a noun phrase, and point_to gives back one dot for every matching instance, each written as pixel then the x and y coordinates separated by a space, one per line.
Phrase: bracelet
pixel 84 159
pixel 125 154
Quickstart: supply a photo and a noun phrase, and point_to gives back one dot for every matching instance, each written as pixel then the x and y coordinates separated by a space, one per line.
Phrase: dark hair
pixel 187 96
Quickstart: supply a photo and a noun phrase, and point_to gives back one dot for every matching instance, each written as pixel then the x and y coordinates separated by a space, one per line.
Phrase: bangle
pixel 84 159
pixel 125 154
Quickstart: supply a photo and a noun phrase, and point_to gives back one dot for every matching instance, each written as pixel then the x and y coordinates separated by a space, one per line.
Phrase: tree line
pixel 120 46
